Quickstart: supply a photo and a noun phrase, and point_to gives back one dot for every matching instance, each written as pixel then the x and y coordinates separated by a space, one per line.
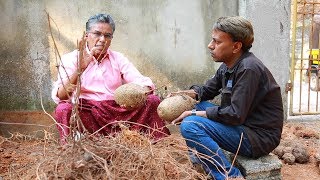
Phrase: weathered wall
pixel 271 23
pixel 24 55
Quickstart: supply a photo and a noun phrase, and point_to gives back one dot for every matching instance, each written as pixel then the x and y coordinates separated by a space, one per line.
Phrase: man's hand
pixel 181 117
pixel 86 57
pixel 188 113
pixel 148 90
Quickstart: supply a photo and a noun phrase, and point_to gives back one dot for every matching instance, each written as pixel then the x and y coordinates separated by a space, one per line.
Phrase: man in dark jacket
pixel 250 116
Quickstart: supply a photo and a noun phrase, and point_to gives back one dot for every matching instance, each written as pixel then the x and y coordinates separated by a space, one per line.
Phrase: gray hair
pixel 238 28
pixel 100 18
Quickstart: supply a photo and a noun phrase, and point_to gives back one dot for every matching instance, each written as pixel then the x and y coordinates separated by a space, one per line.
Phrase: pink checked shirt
pixel 99 81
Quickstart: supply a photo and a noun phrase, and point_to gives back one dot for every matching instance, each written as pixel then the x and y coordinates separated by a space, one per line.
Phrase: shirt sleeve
pixel 242 96
pixel 130 74
pixel 66 68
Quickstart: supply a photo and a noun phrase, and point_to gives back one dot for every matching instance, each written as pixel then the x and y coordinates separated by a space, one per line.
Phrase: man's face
pixel 222 47
pixel 100 35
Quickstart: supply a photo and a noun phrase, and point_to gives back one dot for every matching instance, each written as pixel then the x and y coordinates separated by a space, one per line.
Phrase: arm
pixel 188 113
pixel 242 97
pixel 65 90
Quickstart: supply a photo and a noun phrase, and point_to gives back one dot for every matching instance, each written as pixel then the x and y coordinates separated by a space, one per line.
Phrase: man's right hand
pixel 86 57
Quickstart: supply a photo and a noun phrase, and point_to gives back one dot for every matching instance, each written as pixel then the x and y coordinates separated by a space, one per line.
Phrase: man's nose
pixel 102 38
pixel 210 45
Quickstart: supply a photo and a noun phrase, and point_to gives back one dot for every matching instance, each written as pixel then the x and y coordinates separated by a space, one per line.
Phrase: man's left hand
pixel 188 113
pixel 181 117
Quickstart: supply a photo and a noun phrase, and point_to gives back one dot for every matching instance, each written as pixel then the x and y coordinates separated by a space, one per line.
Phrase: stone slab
pixel 264 168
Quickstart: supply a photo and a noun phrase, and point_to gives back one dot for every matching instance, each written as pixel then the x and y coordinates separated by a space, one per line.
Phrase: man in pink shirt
pixel 103 71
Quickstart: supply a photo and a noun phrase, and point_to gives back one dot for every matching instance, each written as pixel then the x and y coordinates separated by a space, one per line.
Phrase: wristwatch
pixel 193 112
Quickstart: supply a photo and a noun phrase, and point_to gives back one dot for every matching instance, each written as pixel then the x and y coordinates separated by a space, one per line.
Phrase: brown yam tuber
pixel 130 96
pixel 172 107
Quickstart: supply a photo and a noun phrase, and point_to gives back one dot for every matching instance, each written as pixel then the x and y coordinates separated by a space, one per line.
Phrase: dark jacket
pixel 250 97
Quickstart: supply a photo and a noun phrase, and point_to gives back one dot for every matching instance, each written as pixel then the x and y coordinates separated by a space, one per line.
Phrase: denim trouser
pixel 207 137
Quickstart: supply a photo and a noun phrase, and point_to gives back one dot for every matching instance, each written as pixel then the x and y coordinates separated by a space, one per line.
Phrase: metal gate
pixel 304 88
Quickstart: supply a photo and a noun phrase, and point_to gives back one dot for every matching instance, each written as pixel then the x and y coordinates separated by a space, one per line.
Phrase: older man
pixel 102 72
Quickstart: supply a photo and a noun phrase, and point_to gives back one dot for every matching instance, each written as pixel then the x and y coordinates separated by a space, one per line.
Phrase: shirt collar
pixel 245 54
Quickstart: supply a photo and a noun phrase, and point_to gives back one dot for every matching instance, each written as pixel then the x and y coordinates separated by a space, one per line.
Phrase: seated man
pixel 250 115
pixel 102 72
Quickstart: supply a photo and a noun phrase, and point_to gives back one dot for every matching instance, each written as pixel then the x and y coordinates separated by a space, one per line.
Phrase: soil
pixel 304 134
pixel 20 153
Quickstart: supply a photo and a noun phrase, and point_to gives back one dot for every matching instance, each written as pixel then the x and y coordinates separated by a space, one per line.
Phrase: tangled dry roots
pixel 128 155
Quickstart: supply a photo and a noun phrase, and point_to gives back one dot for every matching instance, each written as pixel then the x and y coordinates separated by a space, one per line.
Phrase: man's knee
pixel 62 110
pixel 189 126
pixel 64 106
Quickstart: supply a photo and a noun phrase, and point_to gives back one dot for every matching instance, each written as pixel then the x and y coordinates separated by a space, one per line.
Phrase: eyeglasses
pixel 98 34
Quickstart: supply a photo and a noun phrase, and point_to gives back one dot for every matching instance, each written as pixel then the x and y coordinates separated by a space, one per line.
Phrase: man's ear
pixel 237 47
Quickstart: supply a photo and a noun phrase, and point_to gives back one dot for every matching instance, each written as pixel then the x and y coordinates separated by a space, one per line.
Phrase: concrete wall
pixel 24 55
pixel 271 23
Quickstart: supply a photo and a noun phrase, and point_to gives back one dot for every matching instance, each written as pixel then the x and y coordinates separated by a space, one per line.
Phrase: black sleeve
pixel 242 97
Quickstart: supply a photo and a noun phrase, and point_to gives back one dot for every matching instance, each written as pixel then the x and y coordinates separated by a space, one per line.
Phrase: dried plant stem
pixel 37 170
pixel 75 119
pixel 151 90
pixel 76 124
pixel 236 154
pixel 56 165
pixel 54 42
pixel 101 160
pixel 52 118
pixel 57 51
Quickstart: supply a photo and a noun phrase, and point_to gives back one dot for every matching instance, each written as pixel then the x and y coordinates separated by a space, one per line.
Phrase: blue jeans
pixel 207 137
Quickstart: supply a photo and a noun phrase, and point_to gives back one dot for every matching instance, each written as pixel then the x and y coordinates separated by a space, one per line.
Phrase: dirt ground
pixel 20 153
pixel 305 134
